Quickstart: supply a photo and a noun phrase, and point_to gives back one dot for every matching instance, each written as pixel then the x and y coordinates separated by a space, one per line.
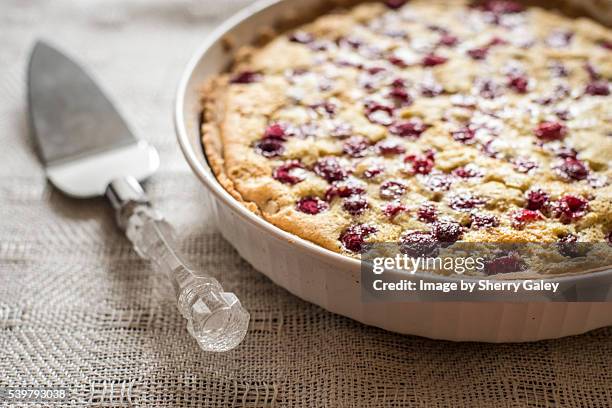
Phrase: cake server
pixel 88 150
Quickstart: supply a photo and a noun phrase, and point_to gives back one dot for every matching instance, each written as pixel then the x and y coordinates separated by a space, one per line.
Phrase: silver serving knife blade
pixel 82 139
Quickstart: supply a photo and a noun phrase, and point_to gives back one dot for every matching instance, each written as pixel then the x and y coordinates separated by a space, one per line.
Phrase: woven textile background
pixel 79 309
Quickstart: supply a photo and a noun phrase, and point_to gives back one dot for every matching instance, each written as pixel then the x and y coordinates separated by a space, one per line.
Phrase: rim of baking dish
pixel 211 182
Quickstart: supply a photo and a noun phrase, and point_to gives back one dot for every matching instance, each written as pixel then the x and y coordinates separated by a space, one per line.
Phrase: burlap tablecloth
pixel 80 310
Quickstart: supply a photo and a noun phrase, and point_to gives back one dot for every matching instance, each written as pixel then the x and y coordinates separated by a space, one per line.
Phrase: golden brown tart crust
pixel 487 123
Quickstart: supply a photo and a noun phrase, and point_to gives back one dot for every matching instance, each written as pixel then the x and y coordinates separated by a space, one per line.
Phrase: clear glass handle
pixel 215 318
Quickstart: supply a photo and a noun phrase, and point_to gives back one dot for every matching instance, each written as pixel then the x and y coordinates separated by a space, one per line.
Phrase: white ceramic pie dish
pixel 331 280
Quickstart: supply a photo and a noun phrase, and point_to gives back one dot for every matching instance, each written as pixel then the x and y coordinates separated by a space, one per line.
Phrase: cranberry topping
pixel 380 114
pixel 418 243
pixel 344 189
pixel 420 164
pixel 291 172
pixel 392 189
pixel 398 83
pixel 375 70
pixel 330 169
pixel 245 77
pixel 397 61
pixel 399 90
pixel 438 182
pixel 447 232
pixel 502 6
pixel 536 199
pixel 393 208
pixel 464 135
pixel 389 147
pixel 448 40
pixel 523 165
pixel 411 128
pixel 522 217
pixel 468 171
pixel 401 95
pixel 395 4
pixel 605 44
pixel 312 205
pixel 550 131
pixel 570 208
pixel 465 202
pixel 609 236
pixel 301 37
pixel 271 144
pixel 373 171
pixel 353 238
pixel 275 131
pixel 519 83
pixel 572 169
pixel 355 204
pixel 356 146
pixel 481 220
pixel 431 60
pixel 497 41
pixel 269 147
pixel 427 213
pixel 509 262
pixel 430 154
pixel 598 88
pixel 478 53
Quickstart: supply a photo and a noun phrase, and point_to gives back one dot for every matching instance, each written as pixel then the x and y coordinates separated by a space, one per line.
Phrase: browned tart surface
pixel 422 122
